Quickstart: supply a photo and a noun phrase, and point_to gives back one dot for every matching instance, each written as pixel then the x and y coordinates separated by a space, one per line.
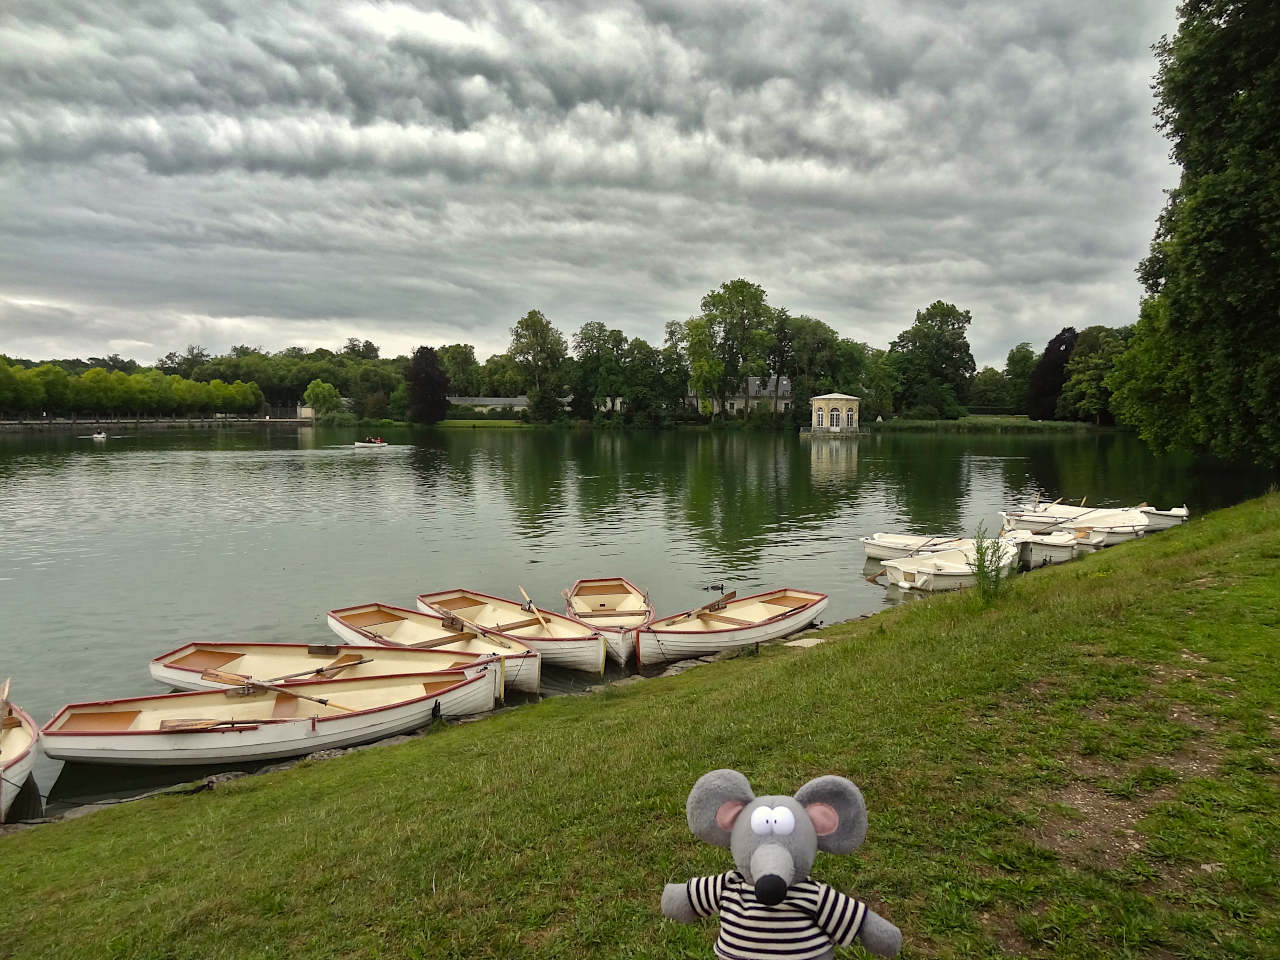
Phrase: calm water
pixel 112 553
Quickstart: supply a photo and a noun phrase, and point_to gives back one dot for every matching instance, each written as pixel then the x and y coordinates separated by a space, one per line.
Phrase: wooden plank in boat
pixel 516 625
pixel 99 720
pixel 602 590
pixel 441 641
pixel 787 601
pixel 200 659
pixel 611 613
pixel 457 603
pixel 368 618
pixel 721 618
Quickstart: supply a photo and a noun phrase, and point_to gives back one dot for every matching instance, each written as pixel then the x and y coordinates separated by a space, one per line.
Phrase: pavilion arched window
pixel 835 416
pixel 851 415
pixel 819 417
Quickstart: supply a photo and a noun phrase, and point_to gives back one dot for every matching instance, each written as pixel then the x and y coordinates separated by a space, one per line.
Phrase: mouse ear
pixel 714 804
pixel 838 812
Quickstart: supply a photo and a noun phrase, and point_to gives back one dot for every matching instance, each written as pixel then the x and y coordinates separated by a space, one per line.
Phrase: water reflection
pixel 114 555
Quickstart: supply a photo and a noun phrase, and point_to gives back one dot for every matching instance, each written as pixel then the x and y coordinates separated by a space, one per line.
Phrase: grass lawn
pixel 503 424
pixel 981 424
pixel 1087 768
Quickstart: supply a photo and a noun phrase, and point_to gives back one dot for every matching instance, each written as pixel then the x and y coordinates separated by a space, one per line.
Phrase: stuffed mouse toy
pixel 769 906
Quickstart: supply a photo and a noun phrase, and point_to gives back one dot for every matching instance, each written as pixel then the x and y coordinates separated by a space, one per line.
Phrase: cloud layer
pixel 231 172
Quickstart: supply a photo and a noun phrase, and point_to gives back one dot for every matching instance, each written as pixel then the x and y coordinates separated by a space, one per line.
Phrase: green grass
pixel 1085 768
pixel 983 424
pixel 502 424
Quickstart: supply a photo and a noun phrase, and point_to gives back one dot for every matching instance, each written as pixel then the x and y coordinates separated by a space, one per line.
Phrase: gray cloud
pixel 237 172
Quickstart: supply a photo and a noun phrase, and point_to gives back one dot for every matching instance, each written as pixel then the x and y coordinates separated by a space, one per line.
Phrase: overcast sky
pixel 241 171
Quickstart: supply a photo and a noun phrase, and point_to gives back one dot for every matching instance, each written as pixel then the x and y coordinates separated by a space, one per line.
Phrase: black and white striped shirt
pixel 806 924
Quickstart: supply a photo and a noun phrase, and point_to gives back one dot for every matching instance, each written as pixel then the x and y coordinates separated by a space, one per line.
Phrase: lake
pixel 115 552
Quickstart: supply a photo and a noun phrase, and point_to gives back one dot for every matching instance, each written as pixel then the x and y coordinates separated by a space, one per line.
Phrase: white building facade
pixel 834 413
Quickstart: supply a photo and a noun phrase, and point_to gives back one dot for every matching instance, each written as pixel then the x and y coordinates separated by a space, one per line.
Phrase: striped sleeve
pixel 839 916
pixel 705 894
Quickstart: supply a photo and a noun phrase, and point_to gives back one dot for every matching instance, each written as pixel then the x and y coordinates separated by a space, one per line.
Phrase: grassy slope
pixel 1087 768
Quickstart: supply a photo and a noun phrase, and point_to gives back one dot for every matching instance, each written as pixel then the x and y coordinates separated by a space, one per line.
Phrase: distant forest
pixel 699 373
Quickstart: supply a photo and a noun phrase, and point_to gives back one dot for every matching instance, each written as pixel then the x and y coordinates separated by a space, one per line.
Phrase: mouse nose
pixel 770 889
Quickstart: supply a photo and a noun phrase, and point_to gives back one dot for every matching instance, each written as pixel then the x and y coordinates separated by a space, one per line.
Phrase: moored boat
pixel 1112 525
pixel 381 624
pixel 560 641
pixel 254 724
pixel 727 623
pixel 18 738
pixel 614 606
pixel 189 666
pixel 889 546
pixel 948 569
pixel 1057 546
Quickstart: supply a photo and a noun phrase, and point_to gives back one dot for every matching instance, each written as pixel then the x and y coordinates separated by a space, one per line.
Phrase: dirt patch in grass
pixel 1097 829
pixel 1003 930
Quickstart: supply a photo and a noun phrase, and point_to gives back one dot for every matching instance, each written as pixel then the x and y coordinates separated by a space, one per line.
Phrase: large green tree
pixel 539 350
pixel 1018 365
pixel 460 364
pixel 730 339
pixel 934 362
pixel 1049 374
pixel 1086 394
pixel 1215 255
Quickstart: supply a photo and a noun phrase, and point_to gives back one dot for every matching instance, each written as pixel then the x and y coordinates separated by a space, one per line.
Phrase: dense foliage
pixel 428 387
pixel 934 363
pixel 1203 369
pixel 1049 374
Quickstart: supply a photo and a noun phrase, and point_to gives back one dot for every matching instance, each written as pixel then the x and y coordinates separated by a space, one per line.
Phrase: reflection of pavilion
pixel 832 456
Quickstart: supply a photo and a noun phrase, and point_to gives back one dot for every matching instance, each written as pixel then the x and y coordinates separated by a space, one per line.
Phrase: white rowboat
pixel 947 570
pixel 380 624
pixel 728 623
pixel 18 738
pixel 1115 525
pixel 560 641
pixel 186 667
pixel 612 605
pixel 232 726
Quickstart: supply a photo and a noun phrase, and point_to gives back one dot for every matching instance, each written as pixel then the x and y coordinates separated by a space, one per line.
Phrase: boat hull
pixel 891 547
pixel 617 625
pixel 267 741
pixel 586 653
pixel 945 571
pixel 16 767
pixel 521 668
pixel 654 645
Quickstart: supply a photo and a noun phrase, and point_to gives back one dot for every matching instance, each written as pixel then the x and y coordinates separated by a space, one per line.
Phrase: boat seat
pixel 98 720
pixel 369 618
pixel 285 706
pixel 786 600
pixel 721 618
pixel 201 659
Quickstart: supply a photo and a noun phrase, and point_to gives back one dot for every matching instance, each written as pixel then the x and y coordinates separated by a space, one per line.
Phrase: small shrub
pixel 987 566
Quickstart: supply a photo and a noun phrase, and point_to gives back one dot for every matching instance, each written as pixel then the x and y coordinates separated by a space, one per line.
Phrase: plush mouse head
pixel 774 839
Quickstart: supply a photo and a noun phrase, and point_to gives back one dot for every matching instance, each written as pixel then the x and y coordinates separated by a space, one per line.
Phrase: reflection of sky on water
pixel 115 553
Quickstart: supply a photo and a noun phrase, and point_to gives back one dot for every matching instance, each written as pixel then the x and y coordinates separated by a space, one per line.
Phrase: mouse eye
pixel 761 821
pixel 784 821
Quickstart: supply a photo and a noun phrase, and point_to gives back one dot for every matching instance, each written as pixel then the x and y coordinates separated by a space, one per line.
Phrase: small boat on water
pixel 380 624
pixel 612 605
pixel 99 435
pixel 18 738
pixel 947 569
pixel 247 724
pixel 560 641
pixel 1057 546
pixel 371 443
pixel 198 666
pixel 726 623
pixel 889 546
pixel 1114 525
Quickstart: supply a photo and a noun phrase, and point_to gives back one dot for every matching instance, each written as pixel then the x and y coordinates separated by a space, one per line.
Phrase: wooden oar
pixel 706 608
pixel 536 612
pixel 1066 520
pixel 235 680
pixel 199 724
pixel 330 671
pixel 930 542
pixel 448 615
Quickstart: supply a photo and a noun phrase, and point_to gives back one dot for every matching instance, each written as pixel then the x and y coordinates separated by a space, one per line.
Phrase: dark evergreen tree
pixel 428 387
pixel 1049 375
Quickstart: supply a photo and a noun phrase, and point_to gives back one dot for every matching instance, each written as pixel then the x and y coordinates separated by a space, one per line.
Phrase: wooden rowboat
pixel 380 624
pixel 18 737
pixel 560 641
pixel 727 623
pixel 235 725
pixel 188 667
pixel 612 605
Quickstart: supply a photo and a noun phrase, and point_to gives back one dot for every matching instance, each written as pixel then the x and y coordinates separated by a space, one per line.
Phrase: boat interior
pixel 505 616
pixel 173 712
pixel 746 612
pixel 607 599
pixel 408 628
pixel 266 661
pixel 15 737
